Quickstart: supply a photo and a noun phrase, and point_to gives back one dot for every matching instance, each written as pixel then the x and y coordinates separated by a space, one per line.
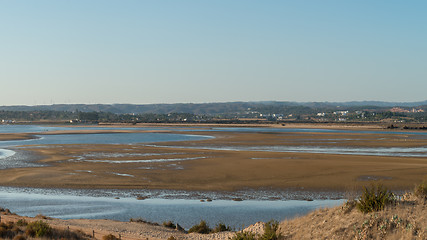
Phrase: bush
pixel 202 227
pixel 244 236
pixel 374 198
pixel 38 229
pixel 169 224
pixel 69 235
pixel 270 231
pixel 110 237
pixel 22 223
pixel 421 190
pixel 220 227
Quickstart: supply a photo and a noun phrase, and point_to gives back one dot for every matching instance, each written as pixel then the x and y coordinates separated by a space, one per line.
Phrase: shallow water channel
pixel 71 204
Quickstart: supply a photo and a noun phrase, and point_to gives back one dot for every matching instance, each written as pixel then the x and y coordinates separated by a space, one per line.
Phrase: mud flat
pixel 214 164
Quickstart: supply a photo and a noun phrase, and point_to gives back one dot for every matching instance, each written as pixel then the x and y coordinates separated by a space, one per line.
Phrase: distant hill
pixel 209 108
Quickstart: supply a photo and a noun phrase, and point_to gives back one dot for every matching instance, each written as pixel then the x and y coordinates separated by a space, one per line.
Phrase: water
pixel 37 128
pixel 99 138
pixel 186 212
pixel 312 130
pixel 105 138
pixel 5 153
pixel 41 128
pixel 374 151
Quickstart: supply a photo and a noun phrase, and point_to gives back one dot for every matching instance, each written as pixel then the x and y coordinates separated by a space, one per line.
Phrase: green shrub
pixel 421 190
pixel 22 223
pixel 38 229
pixel 244 236
pixel 220 227
pixel 270 231
pixel 374 198
pixel 202 227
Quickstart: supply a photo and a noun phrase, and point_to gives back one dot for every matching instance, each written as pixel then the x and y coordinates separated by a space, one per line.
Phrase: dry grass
pixel 36 230
pixel 406 220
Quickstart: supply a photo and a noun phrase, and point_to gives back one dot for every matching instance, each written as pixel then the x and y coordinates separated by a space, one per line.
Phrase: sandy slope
pixel 407 220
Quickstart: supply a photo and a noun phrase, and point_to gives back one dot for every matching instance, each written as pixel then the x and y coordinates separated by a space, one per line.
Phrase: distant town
pixel 234 112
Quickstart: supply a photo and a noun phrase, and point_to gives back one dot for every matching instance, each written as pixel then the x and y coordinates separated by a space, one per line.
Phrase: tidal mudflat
pixel 308 164
pixel 221 160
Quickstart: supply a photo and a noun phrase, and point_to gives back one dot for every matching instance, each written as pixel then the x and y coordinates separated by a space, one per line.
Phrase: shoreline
pixel 170 194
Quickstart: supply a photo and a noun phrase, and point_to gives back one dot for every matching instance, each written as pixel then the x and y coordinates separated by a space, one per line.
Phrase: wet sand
pixel 144 167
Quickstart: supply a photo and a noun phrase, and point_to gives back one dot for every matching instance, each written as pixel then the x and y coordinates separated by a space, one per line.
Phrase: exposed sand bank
pixel 142 167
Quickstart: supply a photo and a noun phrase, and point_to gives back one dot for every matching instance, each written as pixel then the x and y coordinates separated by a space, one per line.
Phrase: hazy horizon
pixel 195 103
pixel 154 52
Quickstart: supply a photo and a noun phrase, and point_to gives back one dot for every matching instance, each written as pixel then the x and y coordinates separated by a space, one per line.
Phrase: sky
pixel 159 51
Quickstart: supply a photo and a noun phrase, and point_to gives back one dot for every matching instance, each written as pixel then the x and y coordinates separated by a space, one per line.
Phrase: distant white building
pixel 342 113
pixel 7 121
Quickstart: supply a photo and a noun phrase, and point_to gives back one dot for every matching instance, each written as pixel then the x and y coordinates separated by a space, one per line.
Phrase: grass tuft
pixel 241 235
pixel 421 190
pixel 22 223
pixel 39 229
pixel 374 198
pixel 202 228
pixel 220 227
pixel 270 231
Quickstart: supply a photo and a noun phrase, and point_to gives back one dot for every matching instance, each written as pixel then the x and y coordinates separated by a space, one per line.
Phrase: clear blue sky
pixel 140 52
